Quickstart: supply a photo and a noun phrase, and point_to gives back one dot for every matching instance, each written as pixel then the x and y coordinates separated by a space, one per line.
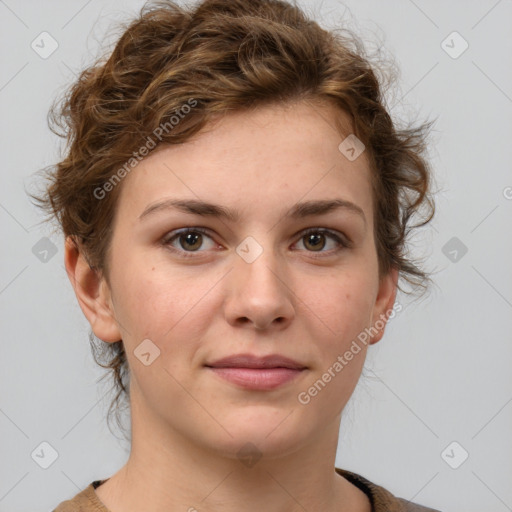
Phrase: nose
pixel 259 294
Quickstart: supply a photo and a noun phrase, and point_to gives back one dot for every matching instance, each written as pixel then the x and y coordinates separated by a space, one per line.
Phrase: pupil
pixel 315 240
pixel 189 240
pixel 192 240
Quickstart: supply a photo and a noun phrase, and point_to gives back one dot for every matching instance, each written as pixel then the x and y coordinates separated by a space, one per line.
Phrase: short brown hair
pixel 226 55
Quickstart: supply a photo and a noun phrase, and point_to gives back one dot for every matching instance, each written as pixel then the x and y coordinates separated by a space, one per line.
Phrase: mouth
pixel 257 373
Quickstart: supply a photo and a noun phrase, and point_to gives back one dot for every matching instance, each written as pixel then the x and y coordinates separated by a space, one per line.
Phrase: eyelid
pixel 339 237
pixel 176 233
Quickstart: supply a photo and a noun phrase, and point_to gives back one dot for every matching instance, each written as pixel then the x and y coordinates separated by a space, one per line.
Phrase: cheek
pixel 339 306
pixel 153 306
pixel 167 306
pixel 339 309
pixel 155 302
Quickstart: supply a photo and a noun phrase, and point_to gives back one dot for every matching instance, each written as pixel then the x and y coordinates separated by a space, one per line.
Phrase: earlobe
pixel 92 292
pixel 384 304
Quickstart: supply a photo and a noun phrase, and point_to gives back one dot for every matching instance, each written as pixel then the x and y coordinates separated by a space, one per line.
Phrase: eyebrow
pixel 298 211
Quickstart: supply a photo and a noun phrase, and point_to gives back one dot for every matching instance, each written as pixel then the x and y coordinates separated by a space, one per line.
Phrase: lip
pixel 257 373
pixel 251 361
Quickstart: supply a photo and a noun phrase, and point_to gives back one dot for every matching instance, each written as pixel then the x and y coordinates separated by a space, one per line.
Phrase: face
pixel 279 274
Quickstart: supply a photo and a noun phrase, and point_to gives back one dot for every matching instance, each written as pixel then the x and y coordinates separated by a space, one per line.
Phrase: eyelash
pixel 343 243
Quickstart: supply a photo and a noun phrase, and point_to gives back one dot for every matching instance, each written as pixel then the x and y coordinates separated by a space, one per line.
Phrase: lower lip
pixel 257 378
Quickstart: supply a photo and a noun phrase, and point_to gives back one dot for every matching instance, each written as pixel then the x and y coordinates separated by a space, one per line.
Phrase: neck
pixel 167 471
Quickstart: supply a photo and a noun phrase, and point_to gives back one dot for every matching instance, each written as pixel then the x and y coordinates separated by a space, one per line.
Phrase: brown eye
pixel 192 241
pixel 188 241
pixel 317 239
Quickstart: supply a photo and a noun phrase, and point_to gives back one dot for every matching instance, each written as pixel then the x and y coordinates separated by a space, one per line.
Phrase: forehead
pixel 265 160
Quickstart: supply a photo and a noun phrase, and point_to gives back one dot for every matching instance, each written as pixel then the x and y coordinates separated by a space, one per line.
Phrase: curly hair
pixel 225 56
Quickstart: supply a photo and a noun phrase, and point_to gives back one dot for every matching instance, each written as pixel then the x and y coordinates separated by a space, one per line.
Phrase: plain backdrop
pixel 435 390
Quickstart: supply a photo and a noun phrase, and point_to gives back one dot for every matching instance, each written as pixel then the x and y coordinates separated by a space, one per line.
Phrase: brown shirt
pixel 381 499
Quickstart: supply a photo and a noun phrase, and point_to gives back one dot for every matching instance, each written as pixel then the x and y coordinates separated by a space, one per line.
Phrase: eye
pixel 188 240
pixel 316 239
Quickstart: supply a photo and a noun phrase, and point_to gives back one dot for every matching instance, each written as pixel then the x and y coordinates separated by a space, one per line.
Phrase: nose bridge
pixel 258 268
pixel 258 289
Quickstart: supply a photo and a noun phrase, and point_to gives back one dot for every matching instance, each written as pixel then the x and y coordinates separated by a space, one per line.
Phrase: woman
pixel 235 200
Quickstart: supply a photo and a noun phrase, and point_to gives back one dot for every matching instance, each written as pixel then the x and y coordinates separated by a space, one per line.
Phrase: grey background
pixel 442 371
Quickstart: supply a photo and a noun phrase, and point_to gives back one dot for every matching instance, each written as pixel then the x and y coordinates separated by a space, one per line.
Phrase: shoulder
pixel 381 499
pixel 85 501
pixel 414 507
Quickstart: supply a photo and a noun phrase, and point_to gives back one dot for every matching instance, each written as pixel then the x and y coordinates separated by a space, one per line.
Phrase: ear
pixel 383 304
pixel 92 292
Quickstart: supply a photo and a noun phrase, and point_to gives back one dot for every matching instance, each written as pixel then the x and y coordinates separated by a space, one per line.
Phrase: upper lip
pixel 251 361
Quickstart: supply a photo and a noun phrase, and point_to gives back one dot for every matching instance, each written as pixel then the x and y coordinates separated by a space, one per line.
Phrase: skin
pixel 187 423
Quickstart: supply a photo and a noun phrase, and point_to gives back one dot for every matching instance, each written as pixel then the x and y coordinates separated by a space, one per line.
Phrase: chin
pixel 255 436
